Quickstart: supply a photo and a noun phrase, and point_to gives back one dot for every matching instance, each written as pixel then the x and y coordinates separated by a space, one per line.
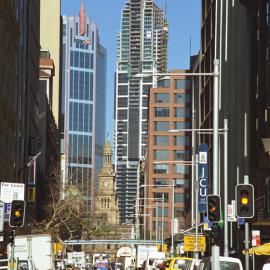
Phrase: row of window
pixel 80 117
pixel 165 140
pixel 177 169
pixel 184 84
pixel 178 98
pixel 81 59
pixel 178 112
pixel 178 197
pixel 178 183
pixel 178 212
pixel 81 85
pixel 80 149
pixel 178 154
pixel 165 125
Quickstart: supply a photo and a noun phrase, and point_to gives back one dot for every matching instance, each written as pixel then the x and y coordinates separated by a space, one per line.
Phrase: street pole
pixel 196 253
pixel 156 223
pixel 172 246
pixel 246 181
pixel 162 221
pixel 215 248
pixel 226 229
pixel 151 221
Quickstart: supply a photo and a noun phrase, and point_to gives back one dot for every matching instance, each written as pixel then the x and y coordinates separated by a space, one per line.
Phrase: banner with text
pixel 203 176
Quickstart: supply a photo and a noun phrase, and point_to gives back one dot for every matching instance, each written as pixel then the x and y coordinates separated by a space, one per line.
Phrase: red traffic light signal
pixel 213 208
pixel 17 212
pixel 244 195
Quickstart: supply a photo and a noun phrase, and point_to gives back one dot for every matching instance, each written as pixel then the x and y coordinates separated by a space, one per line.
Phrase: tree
pixel 63 212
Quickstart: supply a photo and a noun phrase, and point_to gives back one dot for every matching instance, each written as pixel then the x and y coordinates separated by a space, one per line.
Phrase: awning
pixel 260 250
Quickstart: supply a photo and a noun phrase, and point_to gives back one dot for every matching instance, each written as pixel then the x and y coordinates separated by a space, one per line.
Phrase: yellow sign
pixel 57 247
pixel 189 243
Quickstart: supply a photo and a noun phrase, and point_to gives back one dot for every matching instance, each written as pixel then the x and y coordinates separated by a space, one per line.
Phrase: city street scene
pixel 135 134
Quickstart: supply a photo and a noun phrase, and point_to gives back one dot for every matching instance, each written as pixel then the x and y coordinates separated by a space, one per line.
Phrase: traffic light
pixel 244 195
pixel 9 237
pixel 213 208
pixel 16 218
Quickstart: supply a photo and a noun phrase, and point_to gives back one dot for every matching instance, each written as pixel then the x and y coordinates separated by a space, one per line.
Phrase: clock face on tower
pixel 106 183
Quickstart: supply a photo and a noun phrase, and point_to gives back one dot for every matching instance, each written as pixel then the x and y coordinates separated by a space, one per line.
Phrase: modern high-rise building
pixel 83 104
pixel 142 49
pixel 169 154
pixel 240 42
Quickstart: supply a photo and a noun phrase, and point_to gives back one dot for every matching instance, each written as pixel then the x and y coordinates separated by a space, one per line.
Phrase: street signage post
pixel 1 216
pixel 203 176
pixel 11 191
pixel 190 241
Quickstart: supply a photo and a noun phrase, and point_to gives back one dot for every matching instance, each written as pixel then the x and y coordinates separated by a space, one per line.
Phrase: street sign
pixel 203 176
pixel 231 212
pixel 11 191
pixel 256 238
pixel 1 216
pixel 206 224
pixel 189 243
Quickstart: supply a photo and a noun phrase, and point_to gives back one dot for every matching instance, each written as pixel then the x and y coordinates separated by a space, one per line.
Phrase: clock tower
pixel 106 199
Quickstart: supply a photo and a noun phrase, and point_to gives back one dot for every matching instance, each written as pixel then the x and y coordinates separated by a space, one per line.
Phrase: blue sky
pixel 184 23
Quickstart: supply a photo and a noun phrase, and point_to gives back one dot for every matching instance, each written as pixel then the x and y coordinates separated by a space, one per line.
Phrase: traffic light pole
pixel 12 250
pixel 215 248
pixel 246 181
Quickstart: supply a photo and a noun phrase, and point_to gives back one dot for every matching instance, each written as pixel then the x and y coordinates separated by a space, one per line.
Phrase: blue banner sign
pixel 203 176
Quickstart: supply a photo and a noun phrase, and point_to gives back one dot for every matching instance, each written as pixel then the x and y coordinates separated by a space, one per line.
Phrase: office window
pixel 146 89
pixel 160 182
pixel 164 83
pixel 122 90
pixel 179 197
pixel 181 140
pixel 122 102
pixel 182 125
pixel 181 183
pixel 161 168
pixel 162 112
pixel 158 195
pixel 181 154
pixel 181 169
pixel 182 84
pixel 161 154
pixel 182 112
pixel 182 98
pixel 122 114
pixel 162 98
pixel 162 126
pixel 161 140
pixel 122 78
pixel 159 210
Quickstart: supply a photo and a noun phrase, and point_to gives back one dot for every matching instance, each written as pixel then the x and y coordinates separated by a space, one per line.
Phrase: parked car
pixel 152 256
pixel 226 263
pixel 158 264
pixel 181 263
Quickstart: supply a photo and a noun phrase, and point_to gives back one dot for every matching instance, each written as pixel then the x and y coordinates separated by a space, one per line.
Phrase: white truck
pixel 142 253
pixel 78 259
pixel 36 249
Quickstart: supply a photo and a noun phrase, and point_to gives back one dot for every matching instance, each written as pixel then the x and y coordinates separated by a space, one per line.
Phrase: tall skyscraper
pixel 83 105
pixel 142 48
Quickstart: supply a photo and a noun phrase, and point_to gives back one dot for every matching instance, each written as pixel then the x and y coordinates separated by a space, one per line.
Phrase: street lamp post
pixel 167 186
pixel 145 206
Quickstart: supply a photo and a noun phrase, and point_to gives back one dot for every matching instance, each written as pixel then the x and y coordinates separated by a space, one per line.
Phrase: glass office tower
pixel 83 105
